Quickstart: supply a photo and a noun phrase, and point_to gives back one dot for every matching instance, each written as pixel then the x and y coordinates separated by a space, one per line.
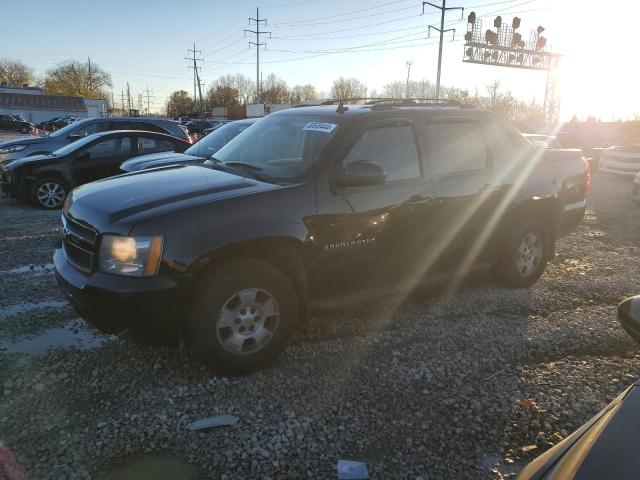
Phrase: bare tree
pixel 343 88
pixel 246 88
pixel 15 73
pixel 77 78
pixel 300 93
pixel 275 90
pixel 394 89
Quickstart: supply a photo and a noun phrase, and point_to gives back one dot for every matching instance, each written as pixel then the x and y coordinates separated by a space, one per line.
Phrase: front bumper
pixel 151 310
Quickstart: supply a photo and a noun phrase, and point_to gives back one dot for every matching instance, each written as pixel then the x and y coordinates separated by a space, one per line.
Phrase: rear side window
pixel 150 127
pixel 392 148
pixel 154 145
pixel 456 147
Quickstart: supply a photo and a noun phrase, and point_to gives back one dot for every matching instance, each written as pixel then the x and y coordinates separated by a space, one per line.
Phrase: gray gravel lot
pixel 465 385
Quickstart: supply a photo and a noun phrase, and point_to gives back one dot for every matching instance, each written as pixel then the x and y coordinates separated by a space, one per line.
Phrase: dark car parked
pixel 198 126
pixel 606 447
pixel 46 179
pixel 313 206
pixel 195 154
pixel 44 145
pixel 12 124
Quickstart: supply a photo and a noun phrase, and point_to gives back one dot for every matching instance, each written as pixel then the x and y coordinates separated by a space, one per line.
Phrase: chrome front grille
pixel 80 243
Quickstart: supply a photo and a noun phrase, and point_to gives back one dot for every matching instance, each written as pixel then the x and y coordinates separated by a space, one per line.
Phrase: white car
pixel 621 159
pixel 635 192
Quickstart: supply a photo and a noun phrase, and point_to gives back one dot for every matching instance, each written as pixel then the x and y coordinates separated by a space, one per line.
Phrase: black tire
pixel 507 269
pixel 215 291
pixel 53 203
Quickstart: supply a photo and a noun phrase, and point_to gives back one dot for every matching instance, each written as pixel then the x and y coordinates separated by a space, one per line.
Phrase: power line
pixel 310 24
pixel 257 44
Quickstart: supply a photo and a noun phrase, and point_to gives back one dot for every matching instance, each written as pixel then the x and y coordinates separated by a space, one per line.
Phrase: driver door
pixel 368 235
pixel 101 159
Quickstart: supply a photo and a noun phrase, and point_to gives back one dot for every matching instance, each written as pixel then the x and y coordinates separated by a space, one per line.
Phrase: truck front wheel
pixel 525 255
pixel 242 316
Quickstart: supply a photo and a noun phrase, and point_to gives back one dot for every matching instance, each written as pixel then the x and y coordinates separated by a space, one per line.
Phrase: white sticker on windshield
pixel 323 127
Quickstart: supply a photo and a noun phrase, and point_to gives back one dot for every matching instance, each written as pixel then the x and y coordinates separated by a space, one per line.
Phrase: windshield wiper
pixel 246 166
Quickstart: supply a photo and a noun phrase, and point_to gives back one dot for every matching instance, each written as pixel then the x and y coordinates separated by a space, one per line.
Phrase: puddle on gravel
pixel 71 335
pixel 23 307
pixel 152 467
pixel 34 269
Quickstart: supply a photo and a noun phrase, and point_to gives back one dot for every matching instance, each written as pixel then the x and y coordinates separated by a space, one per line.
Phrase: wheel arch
pixel 546 208
pixel 283 253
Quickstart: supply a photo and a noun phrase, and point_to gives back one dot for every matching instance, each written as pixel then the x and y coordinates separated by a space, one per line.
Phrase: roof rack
pixel 383 102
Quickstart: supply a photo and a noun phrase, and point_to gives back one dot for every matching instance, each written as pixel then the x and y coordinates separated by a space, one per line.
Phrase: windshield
pixel 217 139
pixel 280 146
pixel 64 131
pixel 73 146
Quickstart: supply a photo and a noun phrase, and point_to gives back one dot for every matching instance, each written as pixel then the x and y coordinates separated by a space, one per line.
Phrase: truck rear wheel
pixel 242 317
pixel 525 255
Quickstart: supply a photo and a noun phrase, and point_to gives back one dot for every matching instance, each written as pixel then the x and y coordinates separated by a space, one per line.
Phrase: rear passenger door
pixel 466 191
pixel 367 235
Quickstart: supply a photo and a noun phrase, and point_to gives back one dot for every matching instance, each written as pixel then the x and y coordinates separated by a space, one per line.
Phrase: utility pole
pixel 408 64
pixel 148 94
pixel 196 80
pixel 128 96
pixel 122 97
pixel 257 44
pixel 443 10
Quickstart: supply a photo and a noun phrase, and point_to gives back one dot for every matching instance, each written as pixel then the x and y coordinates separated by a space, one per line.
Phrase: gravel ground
pixel 469 385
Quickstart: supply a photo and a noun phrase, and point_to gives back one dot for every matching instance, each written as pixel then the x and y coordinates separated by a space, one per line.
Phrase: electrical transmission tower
pixel 443 10
pixel 257 44
pixel 149 97
pixel 408 64
pixel 195 67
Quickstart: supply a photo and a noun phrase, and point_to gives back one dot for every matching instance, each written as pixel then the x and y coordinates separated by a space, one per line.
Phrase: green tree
pixel 15 73
pixel 179 103
pixel 78 79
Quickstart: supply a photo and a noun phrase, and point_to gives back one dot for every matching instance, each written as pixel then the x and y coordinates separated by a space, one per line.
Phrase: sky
pixel 144 42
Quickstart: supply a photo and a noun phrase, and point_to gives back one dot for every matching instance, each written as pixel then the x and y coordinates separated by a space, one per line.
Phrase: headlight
pixel 12 148
pixel 132 256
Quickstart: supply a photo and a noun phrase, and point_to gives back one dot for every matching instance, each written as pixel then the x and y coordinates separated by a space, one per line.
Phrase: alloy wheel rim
pixel 529 254
pixel 247 321
pixel 51 194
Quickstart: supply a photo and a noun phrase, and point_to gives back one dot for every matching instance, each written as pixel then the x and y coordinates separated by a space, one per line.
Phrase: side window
pixel 153 145
pixel 111 147
pixel 456 147
pixel 91 128
pixel 125 125
pixel 149 127
pixel 392 148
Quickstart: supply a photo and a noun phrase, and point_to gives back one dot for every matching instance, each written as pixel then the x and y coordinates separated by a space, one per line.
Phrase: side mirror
pixel 361 174
pixel 629 316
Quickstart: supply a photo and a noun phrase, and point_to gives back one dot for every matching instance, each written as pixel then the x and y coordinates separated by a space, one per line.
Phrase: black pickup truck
pixel 313 206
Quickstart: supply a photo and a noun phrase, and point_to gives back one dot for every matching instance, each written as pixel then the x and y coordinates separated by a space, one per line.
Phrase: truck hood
pixel 116 204
pixel 156 160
